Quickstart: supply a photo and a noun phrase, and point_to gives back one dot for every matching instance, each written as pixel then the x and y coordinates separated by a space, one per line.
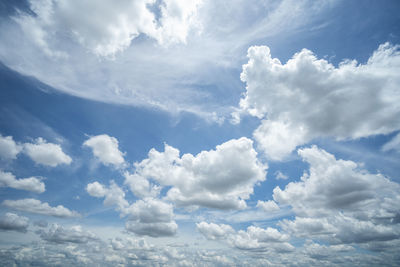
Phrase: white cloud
pixel 8 148
pixel 47 154
pixel 345 102
pixel 214 231
pixel 113 195
pixel 36 206
pixel 13 222
pixel 105 148
pixel 393 144
pixel 267 206
pixel 340 202
pixel 109 28
pixel 59 234
pixel 33 184
pixel 140 186
pixel 151 217
pixel 222 178
pixel 253 239
pixel 157 51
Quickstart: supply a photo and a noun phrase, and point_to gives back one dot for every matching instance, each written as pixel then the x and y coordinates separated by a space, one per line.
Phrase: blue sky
pixel 199 133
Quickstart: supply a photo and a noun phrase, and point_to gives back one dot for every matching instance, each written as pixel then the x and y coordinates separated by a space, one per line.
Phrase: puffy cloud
pixel 345 102
pixel 36 206
pixel 47 154
pixel 253 239
pixel 222 178
pixel 105 148
pixel 13 222
pixel 214 231
pixel 30 184
pixel 141 187
pixel 8 148
pixel 393 144
pixel 58 234
pixel 340 202
pixel 108 29
pixel 113 195
pixel 267 206
pixel 151 217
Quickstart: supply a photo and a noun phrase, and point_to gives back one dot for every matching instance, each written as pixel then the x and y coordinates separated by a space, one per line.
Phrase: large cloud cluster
pixel 222 178
pixel 339 202
pixel 307 97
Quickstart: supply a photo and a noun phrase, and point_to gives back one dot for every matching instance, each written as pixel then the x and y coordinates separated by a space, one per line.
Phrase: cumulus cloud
pixel 36 206
pixel 253 239
pixel 214 231
pixel 8 148
pixel 267 206
pixel 32 184
pixel 346 102
pixel 151 217
pixel 222 178
pixel 340 202
pixel 13 222
pixel 105 149
pixel 113 195
pixel 59 234
pixel 47 154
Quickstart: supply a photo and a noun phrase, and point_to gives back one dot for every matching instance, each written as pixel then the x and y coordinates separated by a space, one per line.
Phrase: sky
pixel 200 133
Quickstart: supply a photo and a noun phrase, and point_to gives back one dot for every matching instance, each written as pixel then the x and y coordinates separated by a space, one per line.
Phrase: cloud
pixel 346 102
pixel 222 178
pixel 13 222
pixel 338 201
pixel 280 176
pixel 267 206
pixel 32 184
pixel 151 217
pixel 214 231
pixel 105 149
pixel 47 154
pixel 147 52
pixel 113 195
pixel 393 144
pixel 36 206
pixel 8 148
pixel 253 239
pixel 60 235
pixel 108 29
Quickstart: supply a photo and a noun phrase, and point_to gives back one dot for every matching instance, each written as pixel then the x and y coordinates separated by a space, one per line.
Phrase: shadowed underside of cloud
pixel 338 202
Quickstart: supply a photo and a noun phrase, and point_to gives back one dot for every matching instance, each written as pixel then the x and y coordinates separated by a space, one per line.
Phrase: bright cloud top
pixel 9 149
pixel 105 149
pixel 44 153
pixel 222 178
pixel 32 184
pixel 307 98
